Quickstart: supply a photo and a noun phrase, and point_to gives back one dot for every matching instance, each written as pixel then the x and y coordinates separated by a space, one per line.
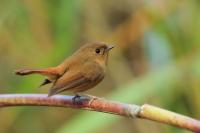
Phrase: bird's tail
pixel 46 71
pixel 23 72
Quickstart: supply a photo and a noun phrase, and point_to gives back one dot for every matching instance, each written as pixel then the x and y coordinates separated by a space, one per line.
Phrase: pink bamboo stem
pixel 102 105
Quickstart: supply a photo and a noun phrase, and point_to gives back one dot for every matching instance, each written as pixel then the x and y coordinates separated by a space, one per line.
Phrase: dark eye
pixel 97 51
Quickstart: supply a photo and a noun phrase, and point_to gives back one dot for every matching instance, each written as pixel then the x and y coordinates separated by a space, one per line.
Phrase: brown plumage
pixel 80 72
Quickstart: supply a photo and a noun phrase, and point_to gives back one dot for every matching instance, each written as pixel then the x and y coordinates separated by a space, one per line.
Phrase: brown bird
pixel 80 72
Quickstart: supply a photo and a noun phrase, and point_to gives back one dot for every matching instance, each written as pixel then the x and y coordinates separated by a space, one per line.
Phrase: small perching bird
pixel 80 72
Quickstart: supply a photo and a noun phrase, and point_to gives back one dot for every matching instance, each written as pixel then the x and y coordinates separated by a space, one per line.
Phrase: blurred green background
pixel 156 59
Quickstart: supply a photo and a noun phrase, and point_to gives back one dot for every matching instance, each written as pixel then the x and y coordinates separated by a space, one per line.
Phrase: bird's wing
pixel 78 80
pixel 69 81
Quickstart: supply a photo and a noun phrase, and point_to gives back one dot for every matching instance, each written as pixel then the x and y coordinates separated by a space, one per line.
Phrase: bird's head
pixel 97 51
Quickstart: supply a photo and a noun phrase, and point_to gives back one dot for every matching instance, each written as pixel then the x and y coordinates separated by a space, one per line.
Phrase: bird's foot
pixel 79 99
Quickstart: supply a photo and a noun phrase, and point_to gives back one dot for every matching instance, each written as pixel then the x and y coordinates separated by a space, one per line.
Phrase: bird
pixel 79 72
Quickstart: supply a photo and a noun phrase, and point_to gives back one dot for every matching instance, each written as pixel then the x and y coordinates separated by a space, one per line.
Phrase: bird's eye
pixel 97 51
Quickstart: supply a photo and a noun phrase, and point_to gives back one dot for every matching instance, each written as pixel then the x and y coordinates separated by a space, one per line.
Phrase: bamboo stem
pixel 145 111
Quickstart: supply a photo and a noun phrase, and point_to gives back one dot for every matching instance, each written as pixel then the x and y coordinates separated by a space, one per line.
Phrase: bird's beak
pixel 110 47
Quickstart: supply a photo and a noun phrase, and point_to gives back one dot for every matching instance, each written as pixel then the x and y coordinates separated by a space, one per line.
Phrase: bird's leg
pixel 79 98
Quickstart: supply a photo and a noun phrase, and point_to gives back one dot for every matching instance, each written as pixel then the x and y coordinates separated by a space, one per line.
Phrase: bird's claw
pixel 79 99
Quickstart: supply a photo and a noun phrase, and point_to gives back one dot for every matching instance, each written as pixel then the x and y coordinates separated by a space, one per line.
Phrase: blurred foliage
pixel 156 59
